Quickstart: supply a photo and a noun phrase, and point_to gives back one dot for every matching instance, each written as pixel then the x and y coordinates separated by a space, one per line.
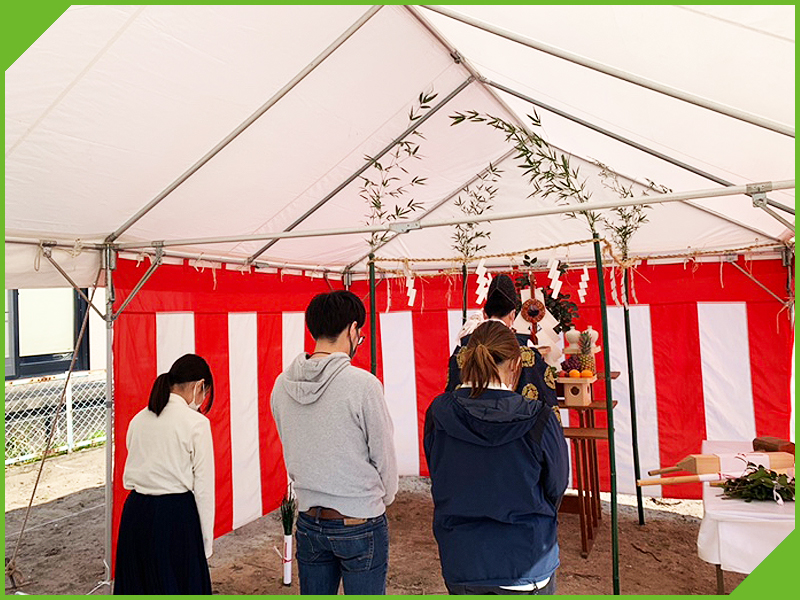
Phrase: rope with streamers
pixel 460 259
pixel 607 249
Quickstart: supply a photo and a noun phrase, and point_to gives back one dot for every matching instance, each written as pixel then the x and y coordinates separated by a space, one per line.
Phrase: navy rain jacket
pixel 499 468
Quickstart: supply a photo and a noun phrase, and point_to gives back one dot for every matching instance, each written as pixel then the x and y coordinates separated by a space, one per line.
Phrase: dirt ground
pixel 62 550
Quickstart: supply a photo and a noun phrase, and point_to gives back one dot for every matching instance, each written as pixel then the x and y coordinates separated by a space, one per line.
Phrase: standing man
pixel 338 447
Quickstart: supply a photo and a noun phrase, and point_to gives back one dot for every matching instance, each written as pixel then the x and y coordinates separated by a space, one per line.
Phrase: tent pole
pixel 48 254
pixel 463 293
pixel 405 226
pixel 52 243
pixel 413 127
pixel 249 121
pixel 636 145
pixel 776 216
pixel 632 392
pixel 109 260
pixel 612 462
pixel 780 206
pixel 373 329
pixel 458 59
pixel 619 73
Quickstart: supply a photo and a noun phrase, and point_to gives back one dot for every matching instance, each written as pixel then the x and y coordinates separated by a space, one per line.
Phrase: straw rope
pixel 624 263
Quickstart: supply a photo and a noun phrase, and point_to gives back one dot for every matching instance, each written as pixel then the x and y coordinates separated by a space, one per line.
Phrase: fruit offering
pixel 574 373
pixel 570 363
pixel 586 353
pixel 587 373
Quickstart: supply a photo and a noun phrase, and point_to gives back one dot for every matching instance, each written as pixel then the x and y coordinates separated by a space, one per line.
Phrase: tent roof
pixel 114 104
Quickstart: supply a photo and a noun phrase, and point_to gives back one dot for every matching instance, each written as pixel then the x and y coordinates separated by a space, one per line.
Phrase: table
pixel 736 535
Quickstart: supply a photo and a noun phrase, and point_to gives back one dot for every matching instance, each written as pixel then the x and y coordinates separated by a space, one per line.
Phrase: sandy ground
pixel 62 550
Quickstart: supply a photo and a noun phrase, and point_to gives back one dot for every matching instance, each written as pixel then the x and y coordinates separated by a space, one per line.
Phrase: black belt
pixel 329 514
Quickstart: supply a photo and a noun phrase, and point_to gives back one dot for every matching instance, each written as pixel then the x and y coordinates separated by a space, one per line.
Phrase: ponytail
pixel 491 344
pixel 479 369
pixel 159 395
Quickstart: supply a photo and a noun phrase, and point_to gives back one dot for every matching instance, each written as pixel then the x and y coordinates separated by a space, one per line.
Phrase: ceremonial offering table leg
pixel 586 476
pixel 587 504
pixel 594 470
pixel 583 503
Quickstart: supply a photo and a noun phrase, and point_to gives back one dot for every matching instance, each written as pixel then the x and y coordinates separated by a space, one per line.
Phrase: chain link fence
pixel 31 408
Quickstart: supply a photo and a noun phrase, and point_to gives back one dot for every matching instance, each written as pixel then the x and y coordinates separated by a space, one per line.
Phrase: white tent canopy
pixel 115 105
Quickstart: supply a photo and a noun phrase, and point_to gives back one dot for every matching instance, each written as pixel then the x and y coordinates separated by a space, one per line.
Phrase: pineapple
pixel 585 354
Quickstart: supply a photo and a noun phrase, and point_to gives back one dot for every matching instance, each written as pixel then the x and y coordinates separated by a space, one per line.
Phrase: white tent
pixel 210 130
pixel 115 108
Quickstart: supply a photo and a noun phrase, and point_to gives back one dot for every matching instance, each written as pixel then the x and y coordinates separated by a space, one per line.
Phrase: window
pixel 41 329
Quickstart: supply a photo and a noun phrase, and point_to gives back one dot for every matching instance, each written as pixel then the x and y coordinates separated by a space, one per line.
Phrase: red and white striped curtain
pixel 711 350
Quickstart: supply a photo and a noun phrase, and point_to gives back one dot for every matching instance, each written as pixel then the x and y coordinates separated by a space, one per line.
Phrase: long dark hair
pixel 188 367
pixel 489 345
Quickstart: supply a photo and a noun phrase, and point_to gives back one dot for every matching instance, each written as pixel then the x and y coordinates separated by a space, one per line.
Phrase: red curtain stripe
pixel 273 469
pixel 134 374
pixel 431 354
pixel 211 342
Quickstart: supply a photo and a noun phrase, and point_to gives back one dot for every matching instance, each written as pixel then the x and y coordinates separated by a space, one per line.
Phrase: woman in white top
pixel 167 526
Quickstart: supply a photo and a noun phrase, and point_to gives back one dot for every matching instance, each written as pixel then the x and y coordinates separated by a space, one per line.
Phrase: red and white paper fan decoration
pixel 584 283
pixel 554 274
pixel 484 279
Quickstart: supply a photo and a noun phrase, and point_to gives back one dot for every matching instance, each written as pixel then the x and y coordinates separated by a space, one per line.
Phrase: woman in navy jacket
pixel 499 468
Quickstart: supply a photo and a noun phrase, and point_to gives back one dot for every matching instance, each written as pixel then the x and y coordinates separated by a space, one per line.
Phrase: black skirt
pixel 160 547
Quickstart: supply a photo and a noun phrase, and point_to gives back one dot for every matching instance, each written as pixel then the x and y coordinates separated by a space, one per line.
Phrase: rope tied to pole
pixel 11 564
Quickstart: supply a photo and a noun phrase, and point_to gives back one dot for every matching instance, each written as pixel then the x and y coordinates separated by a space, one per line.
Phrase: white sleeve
pixel 203 472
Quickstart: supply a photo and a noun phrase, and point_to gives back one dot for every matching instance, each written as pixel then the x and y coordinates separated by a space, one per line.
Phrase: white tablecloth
pixel 735 534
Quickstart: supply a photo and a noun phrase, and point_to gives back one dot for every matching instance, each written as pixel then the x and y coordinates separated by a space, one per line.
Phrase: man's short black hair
pixel 328 315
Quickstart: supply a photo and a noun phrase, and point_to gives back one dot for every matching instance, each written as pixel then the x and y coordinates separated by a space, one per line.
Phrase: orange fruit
pixel 587 373
pixel 574 373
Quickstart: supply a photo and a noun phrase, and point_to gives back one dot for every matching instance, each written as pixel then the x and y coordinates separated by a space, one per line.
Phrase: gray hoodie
pixel 337 436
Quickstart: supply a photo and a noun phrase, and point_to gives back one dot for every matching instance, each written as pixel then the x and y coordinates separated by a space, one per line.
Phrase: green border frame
pixel 24 23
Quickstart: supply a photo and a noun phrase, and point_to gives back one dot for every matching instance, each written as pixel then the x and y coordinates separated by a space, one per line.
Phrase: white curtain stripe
pixel 400 387
pixel 293 336
pixel 243 365
pixel 646 409
pixel 725 359
pixel 174 338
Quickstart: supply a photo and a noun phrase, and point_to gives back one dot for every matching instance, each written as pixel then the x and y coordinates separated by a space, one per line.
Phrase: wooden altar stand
pixel 584 438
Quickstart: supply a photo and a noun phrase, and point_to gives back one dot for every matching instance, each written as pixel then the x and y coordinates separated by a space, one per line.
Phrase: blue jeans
pixel 328 551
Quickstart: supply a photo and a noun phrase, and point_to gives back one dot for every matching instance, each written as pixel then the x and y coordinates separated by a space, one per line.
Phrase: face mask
pixel 353 347
pixel 194 405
